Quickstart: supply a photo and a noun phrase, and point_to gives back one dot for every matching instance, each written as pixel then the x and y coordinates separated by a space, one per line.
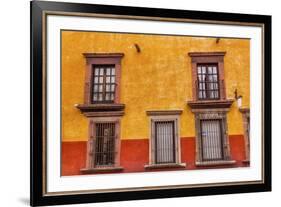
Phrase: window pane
pixel 112 96
pixel 210 78
pixel 112 79
pixel 95 97
pixel 108 71
pixel 215 70
pixel 101 79
pixel 203 69
pixel 100 96
pixel 107 96
pixel 96 88
pixel 107 88
pixel 210 70
pixel 96 80
pixel 215 78
pixel 112 71
pixel 216 86
pixel 108 79
pixel 100 88
pixel 112 88
pixel 101 71
pixel 97 71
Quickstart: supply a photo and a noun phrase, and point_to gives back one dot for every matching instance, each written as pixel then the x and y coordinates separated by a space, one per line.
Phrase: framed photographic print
pixel 139 103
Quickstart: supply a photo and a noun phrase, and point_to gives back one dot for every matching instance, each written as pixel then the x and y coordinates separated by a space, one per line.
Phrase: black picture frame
pixel 37 153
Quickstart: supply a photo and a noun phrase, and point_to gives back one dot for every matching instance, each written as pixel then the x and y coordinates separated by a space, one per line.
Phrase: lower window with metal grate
pixel 104 155
pixel 164 142
pixel 211 140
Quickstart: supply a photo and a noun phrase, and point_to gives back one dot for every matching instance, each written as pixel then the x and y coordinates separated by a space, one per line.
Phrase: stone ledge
pixel 100 107
pixel 101 110
pixel 100 170
pixel 209 104
pixel 164 112
pixel 160 166
pixel 215 163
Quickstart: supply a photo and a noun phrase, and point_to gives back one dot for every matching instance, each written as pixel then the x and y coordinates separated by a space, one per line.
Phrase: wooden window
pixel 208 86
pixel 164 142
pixel 102 78
pixel 103 84
pixel 105 145
pixel 211 140
pixel 208 75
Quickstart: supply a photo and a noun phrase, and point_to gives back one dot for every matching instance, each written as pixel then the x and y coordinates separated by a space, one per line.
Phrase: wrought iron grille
pixel 164 142
pixel 211 140
pixel 208 84
pixel 105 145
pixel 103 88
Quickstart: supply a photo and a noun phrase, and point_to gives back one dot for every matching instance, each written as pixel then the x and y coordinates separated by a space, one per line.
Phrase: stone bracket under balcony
pixel 210 104
pixel 101 110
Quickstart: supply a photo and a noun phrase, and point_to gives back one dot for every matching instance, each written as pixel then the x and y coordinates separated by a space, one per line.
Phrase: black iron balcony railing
pixel 209 90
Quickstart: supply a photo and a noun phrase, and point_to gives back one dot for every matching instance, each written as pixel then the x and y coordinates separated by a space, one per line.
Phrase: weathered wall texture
pixel 159 77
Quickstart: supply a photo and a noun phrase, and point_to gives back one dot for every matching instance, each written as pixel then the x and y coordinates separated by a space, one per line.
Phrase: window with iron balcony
pixel 102 85
pixel 208 84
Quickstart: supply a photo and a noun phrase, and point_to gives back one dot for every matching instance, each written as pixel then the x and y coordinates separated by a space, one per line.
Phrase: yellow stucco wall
pixel 157 78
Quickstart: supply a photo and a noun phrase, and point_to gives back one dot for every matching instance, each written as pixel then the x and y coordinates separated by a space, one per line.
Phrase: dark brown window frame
pixel 102 59
pixel 208 58
pixel 159 116
pixel 90 163
pixel 215 114
pixel 107 96
pixel 207 90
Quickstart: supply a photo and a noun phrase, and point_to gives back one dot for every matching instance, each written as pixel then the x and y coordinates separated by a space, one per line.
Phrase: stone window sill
pixel 101 170
pixel 100 107
pixel 202 104
pixel 215 163
pixel 160 166
pixel 101 110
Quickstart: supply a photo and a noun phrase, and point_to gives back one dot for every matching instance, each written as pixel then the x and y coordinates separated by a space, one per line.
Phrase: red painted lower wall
pixel 237 149
pixel 188 152
pixel 73 157
pixel 134 154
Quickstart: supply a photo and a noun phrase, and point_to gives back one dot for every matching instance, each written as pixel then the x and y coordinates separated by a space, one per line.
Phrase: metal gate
pixel 211 140
pixel 164 142
pixel 105 144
